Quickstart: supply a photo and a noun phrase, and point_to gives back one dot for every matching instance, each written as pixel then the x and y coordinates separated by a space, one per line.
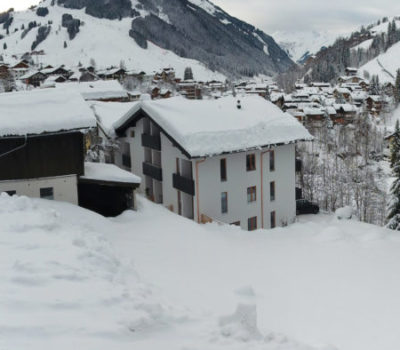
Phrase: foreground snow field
pixel 152 280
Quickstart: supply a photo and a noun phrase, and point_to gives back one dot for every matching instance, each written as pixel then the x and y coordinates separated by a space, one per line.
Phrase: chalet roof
pixel 31 74
pixel 209 127
pixel 346 107
pixel 96 90
pixel 43 111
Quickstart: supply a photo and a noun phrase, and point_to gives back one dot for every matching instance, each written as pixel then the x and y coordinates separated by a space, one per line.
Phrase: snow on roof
pixel 210 127
pixel 109 173
pixel 96 90
pixel 313 111
pixel 39 111
pixel 108 113
pixel 346 107
pixel 30 74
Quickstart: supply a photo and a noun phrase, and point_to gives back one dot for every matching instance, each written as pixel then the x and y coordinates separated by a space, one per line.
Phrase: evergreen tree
pixel 188 75
pixel 396 89
pixel 395 147
pixel 394 206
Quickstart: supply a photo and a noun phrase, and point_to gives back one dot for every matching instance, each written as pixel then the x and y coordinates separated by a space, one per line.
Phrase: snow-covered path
pixel 152 280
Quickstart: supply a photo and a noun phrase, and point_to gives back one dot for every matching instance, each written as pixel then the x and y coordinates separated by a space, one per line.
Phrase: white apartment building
pixel 219 160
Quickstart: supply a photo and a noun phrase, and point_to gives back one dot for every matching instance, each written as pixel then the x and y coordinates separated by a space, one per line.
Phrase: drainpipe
pixel 198 162
pixel 262 187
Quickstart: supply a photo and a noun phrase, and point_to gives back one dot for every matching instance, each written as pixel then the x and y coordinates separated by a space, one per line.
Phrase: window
pixel 236 223
pixel 251 194
pixel 224 202
pixel 252 223
pixel 126 155
pixel 272 161
pixel 273 219
pixel 223 169
pixel 251 162
pixel 132 133
pixel 47 193
pixel 272 191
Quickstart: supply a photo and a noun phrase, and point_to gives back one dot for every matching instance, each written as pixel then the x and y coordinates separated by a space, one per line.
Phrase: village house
pixel 112 74
pixel 225 160
pixel 33 78
pixel 43 137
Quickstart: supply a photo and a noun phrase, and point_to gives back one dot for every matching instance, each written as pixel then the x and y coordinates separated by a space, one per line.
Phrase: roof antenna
pixel 239 105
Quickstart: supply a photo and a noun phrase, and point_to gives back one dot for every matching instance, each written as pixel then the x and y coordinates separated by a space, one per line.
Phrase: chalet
pixel 34 78
pixel 112 74
pixel 375 104
pixel 4 71
pixel 351 71
pixel 190 89
pixel 219 160
pixel 342 92
pixel 59 71
pixel 345 113
pixel 42 149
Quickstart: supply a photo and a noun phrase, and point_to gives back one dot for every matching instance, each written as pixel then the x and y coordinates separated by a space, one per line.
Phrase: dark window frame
pixel 223 170
pixel 251 194
pixel 272 191
pixel 273 219
pixel 47 193
pixel 251 162
pixel 272 161
pixel 252 223
pixel 224 202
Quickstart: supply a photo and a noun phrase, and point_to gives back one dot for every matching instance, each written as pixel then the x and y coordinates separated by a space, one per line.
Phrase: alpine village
pixel 141 141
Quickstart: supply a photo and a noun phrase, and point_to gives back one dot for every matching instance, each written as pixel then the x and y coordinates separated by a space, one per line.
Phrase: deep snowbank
pixel 68 280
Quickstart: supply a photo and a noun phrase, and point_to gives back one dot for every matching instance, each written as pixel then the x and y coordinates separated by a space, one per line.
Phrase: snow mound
pixel 62 280
pixel 242 324
pixel 345 213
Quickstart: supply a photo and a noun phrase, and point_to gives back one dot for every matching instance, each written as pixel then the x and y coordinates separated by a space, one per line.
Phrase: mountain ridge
pixel 178 29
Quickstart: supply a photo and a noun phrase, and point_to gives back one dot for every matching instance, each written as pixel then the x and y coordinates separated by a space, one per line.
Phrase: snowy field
pixel 152 280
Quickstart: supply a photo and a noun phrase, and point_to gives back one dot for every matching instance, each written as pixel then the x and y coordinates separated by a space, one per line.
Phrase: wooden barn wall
pixel 43 156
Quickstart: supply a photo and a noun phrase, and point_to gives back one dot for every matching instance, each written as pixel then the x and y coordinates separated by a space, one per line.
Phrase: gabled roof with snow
pixel 210 127
pixel 40 111
pixel 96 90
pixel 108 113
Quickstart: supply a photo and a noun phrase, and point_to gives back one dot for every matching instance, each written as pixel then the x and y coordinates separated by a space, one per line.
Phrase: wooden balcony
pixel 153 171
pixel 183 184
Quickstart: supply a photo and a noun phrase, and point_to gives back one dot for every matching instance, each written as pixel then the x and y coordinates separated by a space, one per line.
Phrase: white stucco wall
pixel 210 187
pixel 65 187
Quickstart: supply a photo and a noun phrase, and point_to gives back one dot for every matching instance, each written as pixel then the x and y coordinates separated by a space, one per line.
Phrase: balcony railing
pixel 153 171
pixel 183 184
pixel 153 142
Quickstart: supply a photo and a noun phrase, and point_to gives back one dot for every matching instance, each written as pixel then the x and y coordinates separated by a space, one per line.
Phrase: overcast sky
pixel 273 15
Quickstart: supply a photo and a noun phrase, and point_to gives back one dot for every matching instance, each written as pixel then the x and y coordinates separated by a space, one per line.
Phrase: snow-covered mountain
pixel 301 44
pixel 146 34
pixel 387 63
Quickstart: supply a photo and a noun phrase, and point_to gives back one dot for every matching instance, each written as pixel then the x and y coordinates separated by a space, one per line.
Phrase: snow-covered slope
pixel 106 41
pixel 301 44
pixel 151 280
pixel 151 36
